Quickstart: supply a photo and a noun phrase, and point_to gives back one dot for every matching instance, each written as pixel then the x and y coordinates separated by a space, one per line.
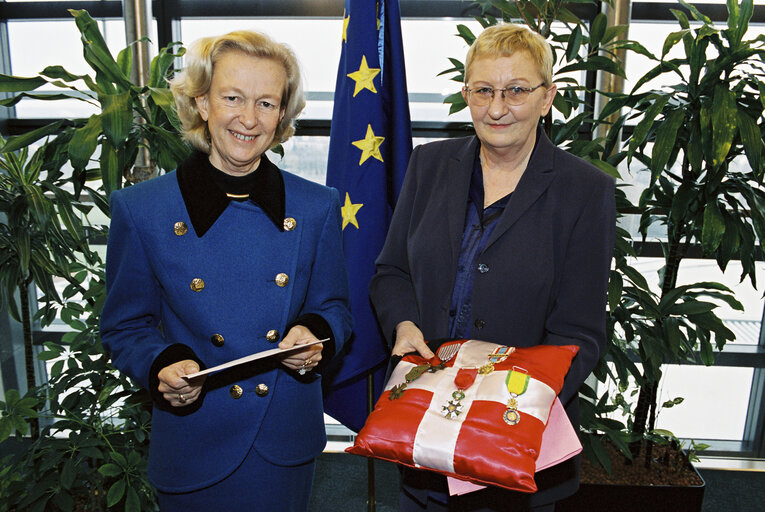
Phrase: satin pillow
pixel 475 412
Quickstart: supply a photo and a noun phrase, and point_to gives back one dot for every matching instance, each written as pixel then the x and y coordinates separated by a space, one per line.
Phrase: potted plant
pixel 92 448
pixel 693 133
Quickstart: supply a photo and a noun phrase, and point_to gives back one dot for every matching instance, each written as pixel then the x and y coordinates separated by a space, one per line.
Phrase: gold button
pixel 282 279
pixel 180 228
pixel 217 340
pixel 289 224
pixel 235 392
pixel 272 335
pixel 261 390
pixel 197 284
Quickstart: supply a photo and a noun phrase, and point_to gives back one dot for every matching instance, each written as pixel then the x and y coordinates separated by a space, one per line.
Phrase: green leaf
pixel 724 115
pixel 713 228
pixel 59 73
pixel 697 15
pixel 164 99
pixel 671 40
pixel 116 492
pixel 23 140
pixel 110 470
pixel 681 18
pixel 574 44
pixel 68 474
pixel 645 124
pixel 602 455
pixel 125 59
pixel 666 135
pixel 132 503
pixel 595 63
pixel 161 64
pixel 671 403
pixel 47 355
pixel 6 427
pixel 117 117
pixel 751 139
pixel 84 142
pixel 707 353
pixel 97 53
pixel 691 307
pixel 466 34
pixel 598 29
pixel 111 170
pixel 10 83
pixel 614 32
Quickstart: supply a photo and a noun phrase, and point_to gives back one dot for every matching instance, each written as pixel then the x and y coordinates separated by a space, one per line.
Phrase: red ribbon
pixel 465 377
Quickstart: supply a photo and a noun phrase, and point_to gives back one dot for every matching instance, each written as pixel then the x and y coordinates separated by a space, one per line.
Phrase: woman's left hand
pixel 301 361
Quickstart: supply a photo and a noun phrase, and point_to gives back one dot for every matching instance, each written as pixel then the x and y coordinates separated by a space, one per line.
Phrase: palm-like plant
pixel 701 138
pixel 39 235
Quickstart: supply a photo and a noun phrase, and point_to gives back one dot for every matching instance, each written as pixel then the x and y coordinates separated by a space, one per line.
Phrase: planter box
pixel 634 498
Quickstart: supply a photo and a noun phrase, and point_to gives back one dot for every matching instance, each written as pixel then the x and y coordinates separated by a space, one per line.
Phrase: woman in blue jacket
pixel 219 259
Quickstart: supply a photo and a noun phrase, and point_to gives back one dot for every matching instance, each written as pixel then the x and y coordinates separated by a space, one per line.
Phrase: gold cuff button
pixel 217 340
pixel 289 224
pixel 236 392
pixel 272 335
pixel 261 390
pixel 282 279
pixel 180 228
pixel 197 284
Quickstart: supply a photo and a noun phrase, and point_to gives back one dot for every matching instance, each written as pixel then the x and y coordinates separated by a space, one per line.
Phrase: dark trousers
pixel 428 491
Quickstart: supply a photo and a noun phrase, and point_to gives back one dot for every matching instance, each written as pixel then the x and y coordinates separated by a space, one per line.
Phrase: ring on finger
pixel 181 398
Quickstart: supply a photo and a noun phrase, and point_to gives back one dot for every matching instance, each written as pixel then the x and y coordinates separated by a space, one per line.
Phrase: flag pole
pixel 370 460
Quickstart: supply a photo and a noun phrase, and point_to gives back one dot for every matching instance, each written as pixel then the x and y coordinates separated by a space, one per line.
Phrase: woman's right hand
pixel 177 390
pixel 409 338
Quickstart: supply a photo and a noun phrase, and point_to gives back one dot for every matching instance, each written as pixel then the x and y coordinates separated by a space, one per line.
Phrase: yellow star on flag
pixel 364 77
pixel 369 146
pixel 349 211
pixel 346 20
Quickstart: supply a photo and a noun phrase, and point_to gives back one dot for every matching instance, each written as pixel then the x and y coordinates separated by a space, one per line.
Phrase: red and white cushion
pixel 477 444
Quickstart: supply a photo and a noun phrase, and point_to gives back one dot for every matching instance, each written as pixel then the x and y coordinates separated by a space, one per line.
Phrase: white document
pixel 253 357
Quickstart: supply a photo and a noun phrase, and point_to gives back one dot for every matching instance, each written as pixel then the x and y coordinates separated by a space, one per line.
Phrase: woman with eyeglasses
pixel 224 257
pixel 501 237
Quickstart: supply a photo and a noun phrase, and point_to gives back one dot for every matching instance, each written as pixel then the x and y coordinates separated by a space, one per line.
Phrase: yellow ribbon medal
pixel 517 381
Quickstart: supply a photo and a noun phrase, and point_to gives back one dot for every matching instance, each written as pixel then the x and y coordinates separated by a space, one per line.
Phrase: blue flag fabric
pixel 370 144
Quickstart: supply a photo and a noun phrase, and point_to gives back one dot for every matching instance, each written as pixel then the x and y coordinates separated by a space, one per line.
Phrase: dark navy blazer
pixel 548 260
pixel 151 306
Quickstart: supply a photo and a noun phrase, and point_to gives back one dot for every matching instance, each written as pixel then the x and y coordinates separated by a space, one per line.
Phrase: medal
pixel 500 354
pixel 447 351
pixel 517 381
pixel 463 380
pixel 414 374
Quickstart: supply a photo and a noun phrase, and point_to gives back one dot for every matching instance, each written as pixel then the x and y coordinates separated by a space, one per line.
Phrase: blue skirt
pixel 255 486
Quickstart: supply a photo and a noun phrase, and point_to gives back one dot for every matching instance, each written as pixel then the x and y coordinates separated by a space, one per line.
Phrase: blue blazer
pixel 151 306
pixel 548 259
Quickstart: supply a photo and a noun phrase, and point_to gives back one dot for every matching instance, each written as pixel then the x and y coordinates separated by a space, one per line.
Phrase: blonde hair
pixel 196 78
pixel 507 39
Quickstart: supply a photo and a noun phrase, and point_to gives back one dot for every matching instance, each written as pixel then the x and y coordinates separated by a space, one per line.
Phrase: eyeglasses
pixel 515 95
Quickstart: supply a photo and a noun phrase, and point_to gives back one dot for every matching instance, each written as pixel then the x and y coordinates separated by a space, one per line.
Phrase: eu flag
pixel 370 143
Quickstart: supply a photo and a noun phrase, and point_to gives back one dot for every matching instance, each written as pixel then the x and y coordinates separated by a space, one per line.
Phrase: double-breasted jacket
pixel 220 296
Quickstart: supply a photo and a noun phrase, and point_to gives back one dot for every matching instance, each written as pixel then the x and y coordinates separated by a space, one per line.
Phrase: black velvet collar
pixel 205 200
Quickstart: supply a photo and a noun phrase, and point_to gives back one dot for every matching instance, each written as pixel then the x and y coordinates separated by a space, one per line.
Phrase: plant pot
pixel 633 487
pixel 634 498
